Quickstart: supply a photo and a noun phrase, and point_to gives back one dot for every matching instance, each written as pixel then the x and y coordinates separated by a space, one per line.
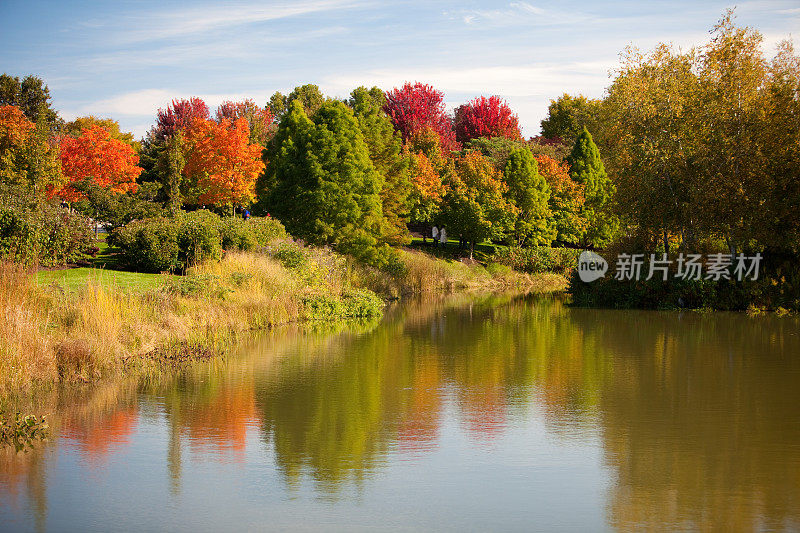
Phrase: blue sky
pixel 127 59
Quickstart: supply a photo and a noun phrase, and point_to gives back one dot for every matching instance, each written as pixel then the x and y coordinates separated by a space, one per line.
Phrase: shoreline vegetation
pixel 98 329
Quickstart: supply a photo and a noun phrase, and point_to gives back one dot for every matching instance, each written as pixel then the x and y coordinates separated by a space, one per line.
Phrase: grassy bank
pixel 80 325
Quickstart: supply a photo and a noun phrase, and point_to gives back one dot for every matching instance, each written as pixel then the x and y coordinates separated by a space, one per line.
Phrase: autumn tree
pixel 179 115
pixel 780 138
pixel 259 120
pixel 587 169
pixel 320 182
pixel 496 149
pixel 474 207
pixel 222 163
pixel 389 160
pixel 566 200
pixel 32 97
pixel 28 160
pixel 651 139
pixel 729 116
pixel 96 157
pixel 76 127
pixel 568 115
pixel 413 107
pixel 528 191
pixel 427 189
pixel 486 117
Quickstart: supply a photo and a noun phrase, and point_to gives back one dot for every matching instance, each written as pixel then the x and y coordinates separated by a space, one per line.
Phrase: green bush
pixel 266 229
pixel 165 244
pixel 538 259
pixel 149 245
pixel 778 287
pixel 237 234
pixel 199 237
pixel 46 235
pixel 291 255
pixel 353 303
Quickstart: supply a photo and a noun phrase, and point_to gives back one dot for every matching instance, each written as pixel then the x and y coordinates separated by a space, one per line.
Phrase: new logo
pixel 591 266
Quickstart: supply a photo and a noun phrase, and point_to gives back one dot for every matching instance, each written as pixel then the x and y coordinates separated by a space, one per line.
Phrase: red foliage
pixel 178 116
pixel 259 119
pixel 95 155
pixel 486 117
pixel 413 107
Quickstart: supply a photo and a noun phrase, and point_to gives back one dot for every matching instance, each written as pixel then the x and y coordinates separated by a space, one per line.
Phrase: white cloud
pixel 171 24
pixel 521 80
pixel 523 13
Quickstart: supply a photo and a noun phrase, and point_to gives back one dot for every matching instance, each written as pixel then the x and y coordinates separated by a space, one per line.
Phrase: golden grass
pixel 424 274
pixel 48 334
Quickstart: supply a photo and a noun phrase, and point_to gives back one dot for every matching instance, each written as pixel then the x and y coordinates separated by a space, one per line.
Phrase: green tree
pixel 385 149
pixel 474 206
pixel 170 163
pixel 309 96
pixel 32 96
pixel 568 115
pixel 320 181
pixel 587 168
pixel 528 191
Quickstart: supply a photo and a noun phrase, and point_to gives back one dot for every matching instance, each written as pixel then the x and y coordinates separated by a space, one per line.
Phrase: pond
pixel 480 413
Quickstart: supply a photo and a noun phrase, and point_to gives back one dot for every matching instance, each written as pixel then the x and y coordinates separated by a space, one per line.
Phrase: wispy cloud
pixel 199 20
pixel 519 80
pixel 522 13
pixel 183 53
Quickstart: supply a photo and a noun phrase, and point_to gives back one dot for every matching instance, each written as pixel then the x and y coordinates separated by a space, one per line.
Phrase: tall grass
pixel 51 334
pixel 420 273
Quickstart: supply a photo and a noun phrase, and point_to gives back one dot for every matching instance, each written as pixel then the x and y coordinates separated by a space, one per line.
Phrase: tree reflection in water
pixel 696 414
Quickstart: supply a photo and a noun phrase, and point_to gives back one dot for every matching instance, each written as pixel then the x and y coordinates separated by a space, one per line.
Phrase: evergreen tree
pixel 320 182
pixel 529 192
pixel 385 150
pixel 170 165
pixel 586 168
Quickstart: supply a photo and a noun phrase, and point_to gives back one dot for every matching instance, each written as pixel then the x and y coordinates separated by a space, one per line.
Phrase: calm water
pixel 493 414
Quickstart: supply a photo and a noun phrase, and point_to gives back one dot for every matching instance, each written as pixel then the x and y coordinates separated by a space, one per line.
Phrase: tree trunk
pixel 471 249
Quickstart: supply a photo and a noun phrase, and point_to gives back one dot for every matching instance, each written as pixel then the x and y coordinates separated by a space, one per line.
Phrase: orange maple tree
pixel 222 162
pixel 95 155
pixel 14 126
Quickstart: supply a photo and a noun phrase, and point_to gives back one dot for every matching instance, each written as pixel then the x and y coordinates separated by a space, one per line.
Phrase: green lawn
pixel 483 251
pixel 74 278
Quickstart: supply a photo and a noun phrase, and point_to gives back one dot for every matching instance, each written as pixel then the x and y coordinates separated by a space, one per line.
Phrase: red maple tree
pixel 178 116
pixel 486 117
pixel 413 107
pixel 95 155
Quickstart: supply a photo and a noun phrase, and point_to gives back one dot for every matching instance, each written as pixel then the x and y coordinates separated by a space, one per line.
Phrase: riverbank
pixel 102 328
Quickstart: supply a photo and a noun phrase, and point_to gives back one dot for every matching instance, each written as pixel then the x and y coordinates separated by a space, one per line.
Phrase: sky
pixel 125 60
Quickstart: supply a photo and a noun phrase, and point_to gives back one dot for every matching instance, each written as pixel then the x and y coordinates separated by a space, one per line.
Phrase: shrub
pixel 291 255
pixel 46 235
pixel 538 259
pixel 149 245
pixel 353 303
pixel 199 237
pixel 237 234
pixel 266 229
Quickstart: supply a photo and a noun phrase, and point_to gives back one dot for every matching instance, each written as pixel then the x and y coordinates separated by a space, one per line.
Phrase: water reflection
pixel 695 416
